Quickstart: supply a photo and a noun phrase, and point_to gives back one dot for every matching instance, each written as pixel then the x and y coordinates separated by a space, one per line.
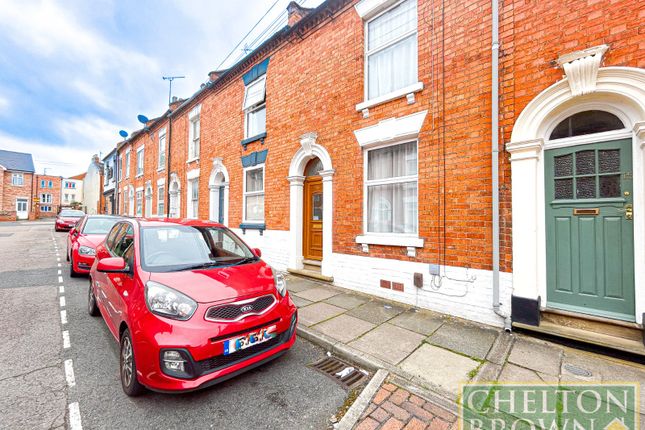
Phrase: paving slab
pixel 347 301
pixel 501 348
pixel 468 339
pixel 516 374
pixel 388 342
pixel 440 367
pixel 318 312
pixel 296 285
pixel 536 355
pixel 317 294
pixel 418 321
pixel 299 301
pixel 376 311
pixel 344 328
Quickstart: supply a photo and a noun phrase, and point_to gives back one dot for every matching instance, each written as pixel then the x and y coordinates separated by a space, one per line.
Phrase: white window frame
pixel 138 208
pixel 194 144
pixel 248 110
pixel 398 180
pixel 42 183
pixel 190 213
pixel 17 179
pixel 161 210
pixel 161 158
pixel 148 199
pixel 143 162
pixel 127 163
pixel 45 198
pixel 401 92
pixel 253 193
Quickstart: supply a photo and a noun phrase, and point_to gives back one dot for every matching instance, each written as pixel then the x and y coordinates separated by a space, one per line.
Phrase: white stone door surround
pixel 309 149
pixel 618 90
pixel 218 178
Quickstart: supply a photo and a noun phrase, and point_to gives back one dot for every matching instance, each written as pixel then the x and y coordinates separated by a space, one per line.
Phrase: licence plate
pixel 253 338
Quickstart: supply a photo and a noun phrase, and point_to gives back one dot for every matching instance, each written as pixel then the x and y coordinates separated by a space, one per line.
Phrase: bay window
pixel 391 54
pixel 254 194
pixel 255 107
pixel 391 189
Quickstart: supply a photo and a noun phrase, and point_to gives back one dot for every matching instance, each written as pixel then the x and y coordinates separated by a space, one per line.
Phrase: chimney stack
pixel 296 13
pixel 174 103
pixel 214 75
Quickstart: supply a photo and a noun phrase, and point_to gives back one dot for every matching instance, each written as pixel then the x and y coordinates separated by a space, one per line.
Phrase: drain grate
pixel 346 375
pixel 578 371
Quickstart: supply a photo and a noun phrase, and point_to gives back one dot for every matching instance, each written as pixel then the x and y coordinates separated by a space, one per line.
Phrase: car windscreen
pixel 178 247
pixel 98 225
pixel 71 214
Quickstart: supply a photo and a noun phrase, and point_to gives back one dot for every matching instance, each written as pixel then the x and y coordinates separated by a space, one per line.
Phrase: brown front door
pixel 313 222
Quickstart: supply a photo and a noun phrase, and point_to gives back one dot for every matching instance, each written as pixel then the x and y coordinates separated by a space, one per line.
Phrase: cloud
pixel 4 105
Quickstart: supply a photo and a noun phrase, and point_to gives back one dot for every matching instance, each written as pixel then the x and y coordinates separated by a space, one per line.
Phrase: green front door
pixel 589 228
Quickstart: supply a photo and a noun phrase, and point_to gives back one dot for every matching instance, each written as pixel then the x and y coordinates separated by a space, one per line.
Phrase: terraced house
pixel 479 159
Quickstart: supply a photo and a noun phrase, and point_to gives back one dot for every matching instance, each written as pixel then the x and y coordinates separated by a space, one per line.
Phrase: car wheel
pixel 128 368
pixel 72 272
pixel 92 307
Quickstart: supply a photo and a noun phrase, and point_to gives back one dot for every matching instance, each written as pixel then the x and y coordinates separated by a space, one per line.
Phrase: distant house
pixel 16 186
pixel 110 167
pixel 72 191
pixel 93 187
pixel 48 195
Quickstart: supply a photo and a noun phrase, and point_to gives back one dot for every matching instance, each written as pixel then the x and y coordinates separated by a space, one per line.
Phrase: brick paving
pixel 394 408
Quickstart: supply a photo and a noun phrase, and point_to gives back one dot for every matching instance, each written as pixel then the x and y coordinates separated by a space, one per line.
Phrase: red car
pixel 83 240
pixel 189 302
pixel 67 219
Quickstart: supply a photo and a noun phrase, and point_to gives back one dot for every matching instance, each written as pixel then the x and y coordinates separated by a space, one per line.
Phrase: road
pixel 37 391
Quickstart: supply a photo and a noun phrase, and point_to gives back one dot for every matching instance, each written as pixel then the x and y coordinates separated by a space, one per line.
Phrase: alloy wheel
pixel 127 362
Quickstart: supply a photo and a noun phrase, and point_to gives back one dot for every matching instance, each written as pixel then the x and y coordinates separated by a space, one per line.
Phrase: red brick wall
pixel 11 192
pixel 55 192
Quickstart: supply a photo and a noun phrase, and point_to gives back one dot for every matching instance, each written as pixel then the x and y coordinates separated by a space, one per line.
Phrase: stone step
pixel 312 274
pixel 622 329
pixel 632 346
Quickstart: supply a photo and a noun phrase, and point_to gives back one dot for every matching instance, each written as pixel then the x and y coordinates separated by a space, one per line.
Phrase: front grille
pixel 221 361
pixel 234 311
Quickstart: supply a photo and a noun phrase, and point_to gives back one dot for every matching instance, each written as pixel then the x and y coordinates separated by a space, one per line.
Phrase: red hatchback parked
pixel 67 219
pixel 83 240
pixel 189 302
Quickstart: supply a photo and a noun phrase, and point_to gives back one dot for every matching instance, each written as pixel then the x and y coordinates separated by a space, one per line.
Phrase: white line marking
pixel 59 265
pixel 60 279
pixel 66 343
pixel 61 289
pixel 62 302
pixel 58 259
pixel 69 373
pixel 63 316
pixel 74 417
pixel 57 254
pixel 59 272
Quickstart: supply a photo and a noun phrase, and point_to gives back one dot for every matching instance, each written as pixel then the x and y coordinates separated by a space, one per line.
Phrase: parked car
pixel 67 219
pixel 189 302
pixel 83 239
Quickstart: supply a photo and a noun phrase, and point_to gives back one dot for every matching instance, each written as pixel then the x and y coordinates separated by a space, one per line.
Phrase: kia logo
pixel 246 308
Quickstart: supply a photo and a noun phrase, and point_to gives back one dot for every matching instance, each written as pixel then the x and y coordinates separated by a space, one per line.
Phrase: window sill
pixel 253 226
pixel 414 88
pixel 192 160
pixel 139 175
pixel 252 139
pixel 394 240
pixel 161 169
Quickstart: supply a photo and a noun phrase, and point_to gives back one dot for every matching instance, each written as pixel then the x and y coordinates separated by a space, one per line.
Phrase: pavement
pixel 52 380
pixel 438 353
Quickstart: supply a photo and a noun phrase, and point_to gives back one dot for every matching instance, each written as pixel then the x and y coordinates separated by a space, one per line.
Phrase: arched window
pixel 587 122
pixel 314 167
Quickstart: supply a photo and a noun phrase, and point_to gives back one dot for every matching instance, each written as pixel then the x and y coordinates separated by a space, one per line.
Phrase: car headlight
pixel 169 303
pixel 280 283
pixel 86 250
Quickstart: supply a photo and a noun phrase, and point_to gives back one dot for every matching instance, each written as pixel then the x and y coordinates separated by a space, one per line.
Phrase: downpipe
pixel 495 163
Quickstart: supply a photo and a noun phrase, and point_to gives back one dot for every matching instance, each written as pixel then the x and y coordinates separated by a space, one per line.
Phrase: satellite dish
pixel 143 119
pixel 123 134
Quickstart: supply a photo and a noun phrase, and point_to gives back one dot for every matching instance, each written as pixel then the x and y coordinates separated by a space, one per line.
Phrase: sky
pixel 75 72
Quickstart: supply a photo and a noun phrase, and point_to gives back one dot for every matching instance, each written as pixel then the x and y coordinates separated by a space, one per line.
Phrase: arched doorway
pixel 218 187
pixel 312 210
pixel 175 195
pixel 578 181
pixel 310 150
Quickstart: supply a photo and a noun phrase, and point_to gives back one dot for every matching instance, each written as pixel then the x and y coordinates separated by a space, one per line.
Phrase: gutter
pixel 495 161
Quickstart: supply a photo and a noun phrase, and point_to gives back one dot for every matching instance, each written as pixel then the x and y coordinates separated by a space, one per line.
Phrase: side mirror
pixel 257 252
pixel 112 265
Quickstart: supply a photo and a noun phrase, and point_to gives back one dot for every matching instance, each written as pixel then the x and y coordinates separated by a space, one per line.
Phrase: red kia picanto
pixel 189 302
pixel 83 240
